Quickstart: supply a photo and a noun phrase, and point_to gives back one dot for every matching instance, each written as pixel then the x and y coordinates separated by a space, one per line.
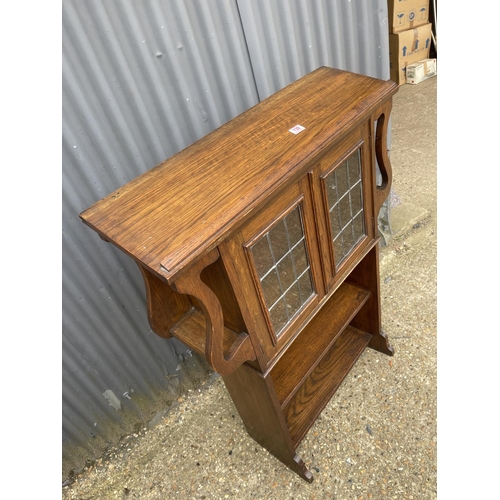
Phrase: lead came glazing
pixel 345 204
pixel 283 269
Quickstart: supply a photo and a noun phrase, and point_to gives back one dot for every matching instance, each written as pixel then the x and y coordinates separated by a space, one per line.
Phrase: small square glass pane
pixel 344 210
pixel 331 190
pixel 271 287
pixel 278 315
pixel 264 262
pixel 356 199
pixel 294 226
pixel 305 286
pixel 338 249
pixel 353 167
pixel 348 237
pixel 286 272
pixel 359 229
pixel 335 220
pixel 292 299
pixel 300 258
pixel 341 178
pixel 279 240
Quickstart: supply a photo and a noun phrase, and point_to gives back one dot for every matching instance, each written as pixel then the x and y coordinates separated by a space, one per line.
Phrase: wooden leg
pixel 366 274
pixel 257 404
pixel 380 343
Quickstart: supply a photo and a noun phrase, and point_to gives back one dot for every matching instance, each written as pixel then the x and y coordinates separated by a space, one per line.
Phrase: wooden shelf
pixel 316 391
pixel 306 351
pixel 192 330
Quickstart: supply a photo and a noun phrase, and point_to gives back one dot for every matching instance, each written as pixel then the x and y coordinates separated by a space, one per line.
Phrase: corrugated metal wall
pixel 141 81
pixel 288 39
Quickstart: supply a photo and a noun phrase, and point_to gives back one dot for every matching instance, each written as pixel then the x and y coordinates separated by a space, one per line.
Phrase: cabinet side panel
pixel 257 404
pixel 259 410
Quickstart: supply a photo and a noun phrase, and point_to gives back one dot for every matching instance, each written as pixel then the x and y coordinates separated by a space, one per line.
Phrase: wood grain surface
pixel 308 348
pixel 191 329
pixel 187 204
pixel 318 388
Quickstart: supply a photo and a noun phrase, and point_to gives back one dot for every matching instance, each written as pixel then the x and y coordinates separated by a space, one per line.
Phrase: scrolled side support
pixel 165 306
pixel 381 154
pixel 241 350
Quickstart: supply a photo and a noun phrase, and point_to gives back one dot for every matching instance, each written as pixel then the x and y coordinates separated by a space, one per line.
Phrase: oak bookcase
pixel 258 246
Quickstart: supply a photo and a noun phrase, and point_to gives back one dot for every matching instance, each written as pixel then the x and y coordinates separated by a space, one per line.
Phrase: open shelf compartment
pixel 316 391
pixel 307 350
pixel 192 330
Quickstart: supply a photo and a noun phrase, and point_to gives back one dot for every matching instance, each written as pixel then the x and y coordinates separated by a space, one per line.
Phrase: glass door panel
pixel 344 187
pixel 283 269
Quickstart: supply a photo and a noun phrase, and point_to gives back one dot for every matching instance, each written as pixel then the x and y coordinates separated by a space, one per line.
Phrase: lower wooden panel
pixel 314 394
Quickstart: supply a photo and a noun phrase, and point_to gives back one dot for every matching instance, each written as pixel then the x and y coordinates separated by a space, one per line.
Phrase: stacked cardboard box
pixel 418 72
pixel 409 35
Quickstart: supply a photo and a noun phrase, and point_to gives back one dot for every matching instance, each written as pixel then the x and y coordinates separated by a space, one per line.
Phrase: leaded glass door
pixel 344 178
pixel 344 188
pixel 283 269
pixel 281 249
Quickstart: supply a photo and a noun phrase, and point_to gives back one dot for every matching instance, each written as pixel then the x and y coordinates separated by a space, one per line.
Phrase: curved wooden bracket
pixel 382 155
pixel 241 350
pixel 165 306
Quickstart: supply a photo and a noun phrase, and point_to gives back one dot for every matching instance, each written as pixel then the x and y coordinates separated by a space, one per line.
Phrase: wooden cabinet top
pixel 172 214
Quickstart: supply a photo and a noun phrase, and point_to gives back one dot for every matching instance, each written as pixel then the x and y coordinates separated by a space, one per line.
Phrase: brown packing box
pixel 407 14
pixel 406 48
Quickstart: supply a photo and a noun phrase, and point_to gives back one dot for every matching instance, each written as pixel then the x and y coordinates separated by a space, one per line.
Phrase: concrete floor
pixel 376 439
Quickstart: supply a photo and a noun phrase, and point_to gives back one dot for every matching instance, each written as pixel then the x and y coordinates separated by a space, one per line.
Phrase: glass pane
pixel 356 199
pixel 300 258
pixel 335 221
pixel 338 250
pixel 331 190
pixel 262 256
pixel 358 227
pixel 279 319
pixel 271 288
pixel 294 226
pixel 305 287
pixel 283 269
pixel 346 208
pixel 353 164
pixel 341 178
pixel 292 299
pixel 348 238
pixel 279 241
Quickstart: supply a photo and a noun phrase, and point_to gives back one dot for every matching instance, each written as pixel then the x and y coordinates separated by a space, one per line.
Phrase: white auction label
pixel 295 130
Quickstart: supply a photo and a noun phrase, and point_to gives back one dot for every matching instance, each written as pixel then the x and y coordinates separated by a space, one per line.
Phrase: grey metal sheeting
pixel 140 82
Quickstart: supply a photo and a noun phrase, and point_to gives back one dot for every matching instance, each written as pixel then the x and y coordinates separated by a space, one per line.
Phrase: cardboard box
pixel 407 14
pixel 418 72
pixel 406 48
